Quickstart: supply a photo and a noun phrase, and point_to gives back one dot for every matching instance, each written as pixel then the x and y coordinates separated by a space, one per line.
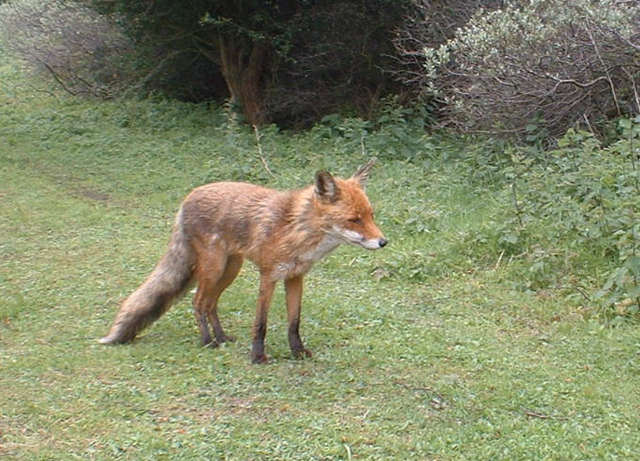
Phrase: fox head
pixel 346 210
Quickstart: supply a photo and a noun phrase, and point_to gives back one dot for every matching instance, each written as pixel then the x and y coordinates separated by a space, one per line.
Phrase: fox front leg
pixel 293 289
pixel 267 286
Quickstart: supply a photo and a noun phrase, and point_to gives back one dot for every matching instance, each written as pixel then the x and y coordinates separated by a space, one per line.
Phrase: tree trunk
pixel 242 65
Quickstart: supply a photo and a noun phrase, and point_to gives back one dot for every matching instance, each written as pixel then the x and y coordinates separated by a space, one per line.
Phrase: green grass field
pixel 425 350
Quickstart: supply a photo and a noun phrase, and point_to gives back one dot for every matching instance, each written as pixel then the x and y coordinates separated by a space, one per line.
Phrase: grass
pixel 423 351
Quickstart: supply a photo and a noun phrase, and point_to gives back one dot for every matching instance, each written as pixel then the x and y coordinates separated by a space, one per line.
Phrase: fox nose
pixel 382 242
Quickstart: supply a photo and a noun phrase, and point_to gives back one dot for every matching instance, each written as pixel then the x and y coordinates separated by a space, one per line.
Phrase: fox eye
pixel 357 221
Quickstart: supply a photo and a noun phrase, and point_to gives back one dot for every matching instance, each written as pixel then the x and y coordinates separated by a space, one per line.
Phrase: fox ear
pixel 363 172
pixel 326 187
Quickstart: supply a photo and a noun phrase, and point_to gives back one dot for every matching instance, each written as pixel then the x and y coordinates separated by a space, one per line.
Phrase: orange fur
pixel 283 233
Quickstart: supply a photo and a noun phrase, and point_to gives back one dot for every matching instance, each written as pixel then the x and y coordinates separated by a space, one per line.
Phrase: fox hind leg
pixel 231 270
pixel 214 273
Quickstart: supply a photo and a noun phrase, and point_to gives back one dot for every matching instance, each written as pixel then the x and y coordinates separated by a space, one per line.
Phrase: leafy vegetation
pixel 587 196
pixel 481 332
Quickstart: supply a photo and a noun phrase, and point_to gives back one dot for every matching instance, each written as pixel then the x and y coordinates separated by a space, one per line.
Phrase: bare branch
pixel 260 153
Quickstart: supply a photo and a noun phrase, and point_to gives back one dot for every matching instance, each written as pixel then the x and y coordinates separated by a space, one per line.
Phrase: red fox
pixel 283 233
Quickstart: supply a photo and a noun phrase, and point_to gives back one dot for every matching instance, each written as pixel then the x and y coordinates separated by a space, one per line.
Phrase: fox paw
pixel 213 344
pixel 259 358
pixel 302 354
pixel 225 339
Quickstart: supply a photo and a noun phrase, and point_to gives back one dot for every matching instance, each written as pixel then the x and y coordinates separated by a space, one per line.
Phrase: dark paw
pixel 300 354
pixel 225 339
pixel 259 358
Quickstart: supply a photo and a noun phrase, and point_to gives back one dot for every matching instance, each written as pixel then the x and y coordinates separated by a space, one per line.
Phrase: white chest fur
pixel 327 244
pixel 305 261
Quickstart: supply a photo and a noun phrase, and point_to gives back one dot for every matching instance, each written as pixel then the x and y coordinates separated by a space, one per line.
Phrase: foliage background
pixel 293 63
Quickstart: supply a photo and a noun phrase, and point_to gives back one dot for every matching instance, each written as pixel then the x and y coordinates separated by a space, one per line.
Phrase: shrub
pixel 431 24
pixel 575 214
pixel 558 63
pixel 82 50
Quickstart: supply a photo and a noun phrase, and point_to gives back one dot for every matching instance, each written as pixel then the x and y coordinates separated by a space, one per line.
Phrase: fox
pixel 284 233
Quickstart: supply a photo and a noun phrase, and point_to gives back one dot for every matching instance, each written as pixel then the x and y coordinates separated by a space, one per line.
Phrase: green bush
pixel 575 216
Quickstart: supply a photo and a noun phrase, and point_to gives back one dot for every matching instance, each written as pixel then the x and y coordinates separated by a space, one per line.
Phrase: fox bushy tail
pixel 168 281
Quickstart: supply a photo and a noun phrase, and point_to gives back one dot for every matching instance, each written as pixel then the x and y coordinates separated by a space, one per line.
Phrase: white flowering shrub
pixel 542 65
